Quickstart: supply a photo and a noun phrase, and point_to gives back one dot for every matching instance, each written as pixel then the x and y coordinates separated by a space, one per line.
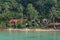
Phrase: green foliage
pixel 2 24
pixel 29 9
pixel 31 12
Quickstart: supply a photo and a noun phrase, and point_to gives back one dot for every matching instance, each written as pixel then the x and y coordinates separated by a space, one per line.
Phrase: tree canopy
pixel 30 9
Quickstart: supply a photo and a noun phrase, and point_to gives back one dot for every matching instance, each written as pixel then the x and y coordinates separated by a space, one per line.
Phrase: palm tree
pixel 52 15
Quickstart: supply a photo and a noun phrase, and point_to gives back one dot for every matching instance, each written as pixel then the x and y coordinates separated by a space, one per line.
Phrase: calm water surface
pixel 17 35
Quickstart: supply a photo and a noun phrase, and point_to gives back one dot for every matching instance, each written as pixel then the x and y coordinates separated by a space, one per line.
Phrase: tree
pixel 32 12
pixel 54 14
pixel 20 8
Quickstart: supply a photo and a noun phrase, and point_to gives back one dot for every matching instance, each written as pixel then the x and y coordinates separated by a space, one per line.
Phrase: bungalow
pixel 17 20
pixel 14 20
pixel 50 24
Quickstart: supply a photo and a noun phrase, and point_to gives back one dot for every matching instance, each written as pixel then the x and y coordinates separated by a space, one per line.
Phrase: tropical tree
pixel 32 12
pixel 55 14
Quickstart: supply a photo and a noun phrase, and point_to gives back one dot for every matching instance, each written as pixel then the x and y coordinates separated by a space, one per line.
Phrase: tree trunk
pixel 54 23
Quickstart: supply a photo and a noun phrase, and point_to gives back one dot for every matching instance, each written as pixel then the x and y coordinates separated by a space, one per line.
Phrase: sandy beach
pixel 26 29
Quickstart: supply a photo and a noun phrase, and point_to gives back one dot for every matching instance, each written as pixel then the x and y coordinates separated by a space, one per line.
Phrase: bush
pixel 3 24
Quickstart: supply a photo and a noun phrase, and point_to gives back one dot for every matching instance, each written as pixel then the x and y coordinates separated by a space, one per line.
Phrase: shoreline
pixel 37 30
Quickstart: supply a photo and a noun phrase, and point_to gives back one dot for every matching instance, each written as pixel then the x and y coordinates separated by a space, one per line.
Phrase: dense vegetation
pixel 29 9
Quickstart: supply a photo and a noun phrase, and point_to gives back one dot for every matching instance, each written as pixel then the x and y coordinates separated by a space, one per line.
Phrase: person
pixel 27 25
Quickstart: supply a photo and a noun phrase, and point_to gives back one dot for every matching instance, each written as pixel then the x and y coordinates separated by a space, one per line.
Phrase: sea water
pixel 18 35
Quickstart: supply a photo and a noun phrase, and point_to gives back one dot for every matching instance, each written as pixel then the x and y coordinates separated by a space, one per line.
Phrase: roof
pixel 17 20
pixel 56 24
pixel 14 20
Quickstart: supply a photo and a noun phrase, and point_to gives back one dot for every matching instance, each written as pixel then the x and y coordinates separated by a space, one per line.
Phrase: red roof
pixel 57 24
pixel 13 20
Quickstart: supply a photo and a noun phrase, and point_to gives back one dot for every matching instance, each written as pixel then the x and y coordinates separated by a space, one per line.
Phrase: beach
pixel 26 29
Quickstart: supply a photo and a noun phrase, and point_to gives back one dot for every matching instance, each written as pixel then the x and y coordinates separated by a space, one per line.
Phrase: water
pixel 17 35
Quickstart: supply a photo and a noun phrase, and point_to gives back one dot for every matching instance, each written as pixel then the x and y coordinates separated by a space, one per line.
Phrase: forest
pixel 35 10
